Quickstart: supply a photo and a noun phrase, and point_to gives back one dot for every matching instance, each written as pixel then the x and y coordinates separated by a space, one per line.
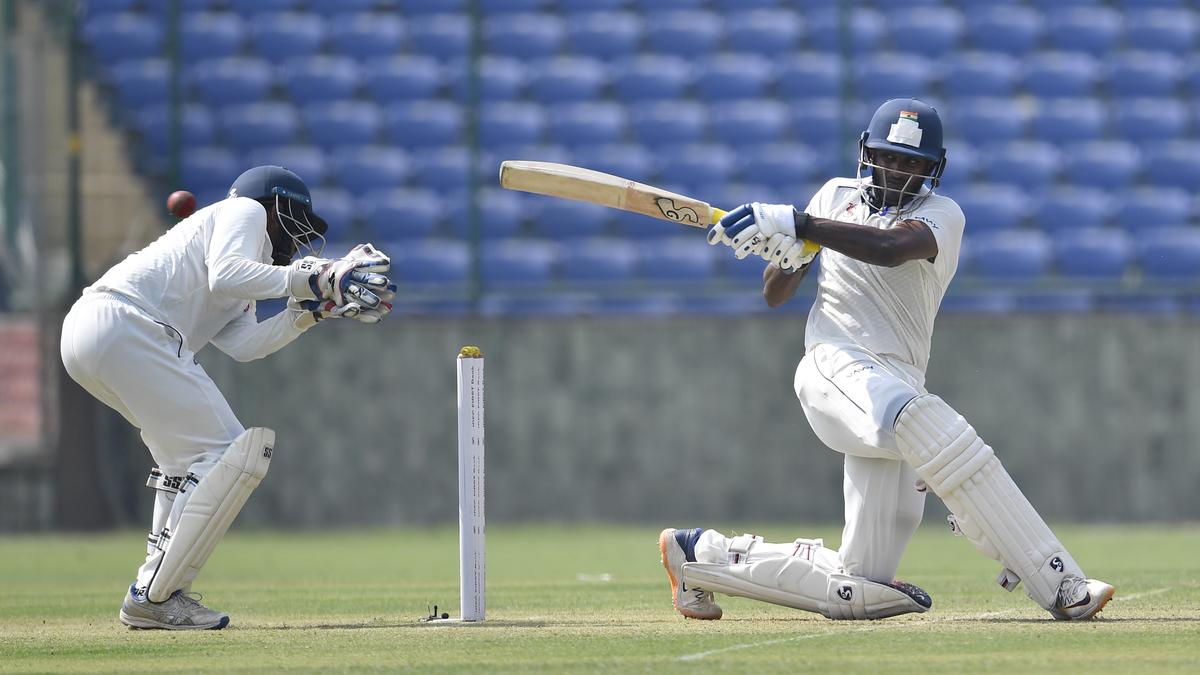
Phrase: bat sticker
pixel 680 214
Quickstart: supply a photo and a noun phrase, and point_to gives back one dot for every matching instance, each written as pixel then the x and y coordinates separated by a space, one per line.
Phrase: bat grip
pixel 717 214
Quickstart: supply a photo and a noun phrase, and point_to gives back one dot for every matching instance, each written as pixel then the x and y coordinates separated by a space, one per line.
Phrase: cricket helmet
pixel 293 203
pixel 908 127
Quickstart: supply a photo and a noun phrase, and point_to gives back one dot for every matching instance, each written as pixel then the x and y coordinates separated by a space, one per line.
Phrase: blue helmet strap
pixel 292 209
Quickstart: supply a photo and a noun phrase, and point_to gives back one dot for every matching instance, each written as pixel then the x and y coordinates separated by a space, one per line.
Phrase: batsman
pixel 131 339
pixel 889 246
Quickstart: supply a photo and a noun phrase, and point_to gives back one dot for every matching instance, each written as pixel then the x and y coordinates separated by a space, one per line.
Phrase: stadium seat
pixel 699 164
pixel 1168 30
pixel 499 78
pixel 587 123
pixel 1092 253
pixel 441 36
pixel 502 212
pixel 1059 74
pixel 807 75
pixel 987 120
pixel 981 74
pixel 119 37
pixel 1144 207
pixel 769 32
pixel 524 36
pixel 197 127
pixel 431 262
pixel 733 76
pixel 886 75
pixel 444 169
pixel 565 79
pixel 962 167
pixel 779 166
pixel 1070 207
pixel 363 169
pixel 286 35
pixel 598 261
pixel 993 207
pixel 391 214
pixel 141 82
pixel 336 207
pixel 342 123
pixel 1005 28
pixel 1030 165
pixel 824 29
pixel 424 123
pixel 1094 29
pixel 99 7
pixel 254 125
pixel 663 5
pixel 817 121
pixel 629 160
pixel 1173 164
pixel 324 78
pixel 231 80
pixel 1111 165
pixel 307 161
pixel 1008 256
pixel 596 7
pixel 1142 120
pixel 676 260
pixel 1170 254
pixel 208 35
pixel 511 123
pixel 1065 120
pixel 205 169
pixel 648 77
pixel 932 31
pixel 402 78
pixel 517 262
pixel 750 121
pixel 670 122
pixel 416 7
pixel 513 6
pixel 252 7
pixel 1144 74
pixel 566 219
pixel 366 36
pixel 685 33
pixel 604 34
pixel 335 7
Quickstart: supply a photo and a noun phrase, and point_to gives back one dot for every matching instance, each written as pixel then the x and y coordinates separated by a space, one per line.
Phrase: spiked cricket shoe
pixel 678 547
pixel 1080 599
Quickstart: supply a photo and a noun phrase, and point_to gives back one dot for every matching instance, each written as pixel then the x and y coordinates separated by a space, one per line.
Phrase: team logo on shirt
pixel 927 221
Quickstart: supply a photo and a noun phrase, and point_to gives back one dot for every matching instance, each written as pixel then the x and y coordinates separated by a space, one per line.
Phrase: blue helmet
pixel 293 204
pixel 904 126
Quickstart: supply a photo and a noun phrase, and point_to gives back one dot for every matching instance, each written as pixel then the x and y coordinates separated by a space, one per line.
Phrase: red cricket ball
pixel 181 203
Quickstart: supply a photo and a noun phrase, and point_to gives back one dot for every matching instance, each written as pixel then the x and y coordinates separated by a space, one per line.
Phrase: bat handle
pixel 717 214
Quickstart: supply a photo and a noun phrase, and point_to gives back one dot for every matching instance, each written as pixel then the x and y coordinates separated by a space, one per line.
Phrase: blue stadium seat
pixel 604 34
pixel 499 79
pixel 649 77
pixel 750 121
pixel 442 169
pixel 809 75
pixel 419 7
pixel 587 123
pixel 327 78
pixel 210 35
pixel 524 36
pixel 1070 207
pixel 1111 165
pixel 251 7
pixel 424 123
pixel 286 35
pixel 1173 164
pixel 502 212
pixel 334 7
pixel 981 74
pixel 993 207
pixel 670 122
pixel 733 76
pixel 401 214
pixel 98 7
pixel 307 161
pixel 817 121
pixel 1092 253
pixel 1169 30
pixel 366 36
pixel 1005 28
pixel 733 6
pixel 686 33
pixel 232 80
pixel 1144 207
pixel 363 169
pixel 564 79
pixel 1065 120
pixel 629 160
pixel 518 262
pixel 511 123
pixel 336 207
pixel 1095 30
pixel 197 127
pixel 698 164
pixel 659 5
pixel 779 166
pixel 342 123
pixel 931 31
pixel 595 7
pixel 565 219
pixel 1170 254
pixel 445 262
pixel 142 82
pixel 886 76
pixel 254 125
pixel 1009 256
pixel 441 36
pixel 824 29
pixel 513 6
pixel 402 78
pixel 1030 165
pixel 985 120
pixel 962 168
pixel 119 37
pixel 678 260
pixel 770 32
pixel 1151 119
pixel 1058 74
pixel 598 261
pixel 1144 74
pixel 205 169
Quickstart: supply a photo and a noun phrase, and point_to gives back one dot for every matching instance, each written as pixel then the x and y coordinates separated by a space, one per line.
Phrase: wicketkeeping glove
pixel 312 311
pixel 343 281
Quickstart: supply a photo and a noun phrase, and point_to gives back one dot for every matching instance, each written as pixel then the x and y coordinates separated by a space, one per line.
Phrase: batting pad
pixel 989 508
pixel 214 503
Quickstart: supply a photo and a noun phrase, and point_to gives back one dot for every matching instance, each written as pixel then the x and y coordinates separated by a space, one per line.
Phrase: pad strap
pixel 739 548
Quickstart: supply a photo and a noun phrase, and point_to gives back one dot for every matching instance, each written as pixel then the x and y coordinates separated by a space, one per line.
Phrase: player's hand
pixel 319 310
pixel 343 280
pixel 748 228
pixel 377 260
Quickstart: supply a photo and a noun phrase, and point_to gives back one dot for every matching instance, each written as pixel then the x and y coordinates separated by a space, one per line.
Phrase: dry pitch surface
pixel 578 599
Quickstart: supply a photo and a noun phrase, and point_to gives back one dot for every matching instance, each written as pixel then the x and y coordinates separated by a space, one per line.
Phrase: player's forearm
pixel 780 286
pixel 886 248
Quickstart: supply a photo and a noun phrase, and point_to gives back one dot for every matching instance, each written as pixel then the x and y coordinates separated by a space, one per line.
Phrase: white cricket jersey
pixel 202 277
pixel 885 310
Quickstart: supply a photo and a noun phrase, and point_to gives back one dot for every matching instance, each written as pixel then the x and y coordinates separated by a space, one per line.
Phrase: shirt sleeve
pixel 822 202
pixel 246 339
pixel 946 220
pixel 235 251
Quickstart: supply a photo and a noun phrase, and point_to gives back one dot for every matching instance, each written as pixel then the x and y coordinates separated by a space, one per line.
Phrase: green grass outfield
pixel 588 598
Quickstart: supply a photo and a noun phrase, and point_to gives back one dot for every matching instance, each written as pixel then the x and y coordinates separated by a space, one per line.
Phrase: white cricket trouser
pixel 140 368
pixel 851 398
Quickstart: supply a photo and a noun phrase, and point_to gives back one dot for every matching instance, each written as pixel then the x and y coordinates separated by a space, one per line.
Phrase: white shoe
pixel 1080 599
pixel 678 547
pixel 178 612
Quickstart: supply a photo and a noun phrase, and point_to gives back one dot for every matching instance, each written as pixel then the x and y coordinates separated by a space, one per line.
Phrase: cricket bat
pixel 585 185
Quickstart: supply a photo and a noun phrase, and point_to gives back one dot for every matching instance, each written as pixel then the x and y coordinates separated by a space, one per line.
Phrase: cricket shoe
pixel 1080 599
pixel 678 547
pixel 178 612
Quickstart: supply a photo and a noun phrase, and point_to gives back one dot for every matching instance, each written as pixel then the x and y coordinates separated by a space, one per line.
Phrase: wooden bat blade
pixel 585 185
